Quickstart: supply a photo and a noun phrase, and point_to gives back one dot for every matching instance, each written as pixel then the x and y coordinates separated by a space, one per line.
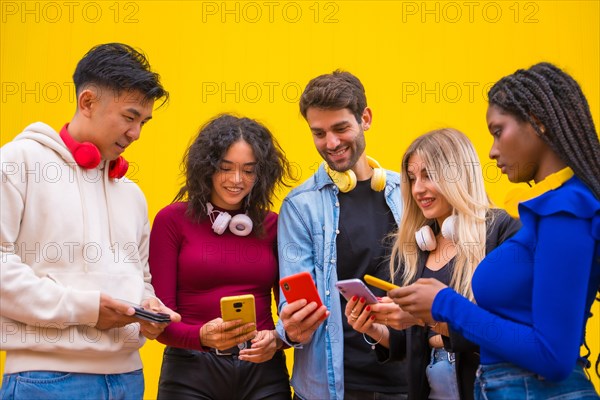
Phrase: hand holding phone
pixel 380 283
pixel 300 286
pixel 355 287
pixel 300 322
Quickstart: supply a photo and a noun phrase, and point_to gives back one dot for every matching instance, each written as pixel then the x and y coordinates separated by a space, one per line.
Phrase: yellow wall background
pixel 424 64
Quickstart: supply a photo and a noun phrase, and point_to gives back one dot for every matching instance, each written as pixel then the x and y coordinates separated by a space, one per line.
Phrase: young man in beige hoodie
pixel 74 241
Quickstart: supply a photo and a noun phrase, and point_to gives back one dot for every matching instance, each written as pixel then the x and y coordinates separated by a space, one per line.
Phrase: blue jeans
pixel 51 385
pixel 441 375
pixel 507 381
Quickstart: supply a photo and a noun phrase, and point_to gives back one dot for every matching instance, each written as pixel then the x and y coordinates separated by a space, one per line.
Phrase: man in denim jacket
pixel 334 226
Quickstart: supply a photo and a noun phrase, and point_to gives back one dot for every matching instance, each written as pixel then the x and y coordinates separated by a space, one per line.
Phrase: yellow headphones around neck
pixel 346 181
pixel 521 194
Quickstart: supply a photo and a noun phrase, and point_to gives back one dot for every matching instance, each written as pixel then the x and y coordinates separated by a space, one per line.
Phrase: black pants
pixel 362 395
pixel 190 374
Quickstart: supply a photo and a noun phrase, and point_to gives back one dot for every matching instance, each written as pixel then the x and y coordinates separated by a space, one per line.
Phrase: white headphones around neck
pixel 426 238
pixel 240 225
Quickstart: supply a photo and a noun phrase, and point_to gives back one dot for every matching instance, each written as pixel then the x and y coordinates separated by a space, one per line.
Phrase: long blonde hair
pixel 453 166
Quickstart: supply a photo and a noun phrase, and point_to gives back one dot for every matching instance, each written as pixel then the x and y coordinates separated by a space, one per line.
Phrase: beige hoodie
pixel 67 234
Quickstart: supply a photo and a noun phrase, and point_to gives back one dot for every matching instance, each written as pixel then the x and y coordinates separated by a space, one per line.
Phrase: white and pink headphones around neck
pixel 239 225
pixel 426 238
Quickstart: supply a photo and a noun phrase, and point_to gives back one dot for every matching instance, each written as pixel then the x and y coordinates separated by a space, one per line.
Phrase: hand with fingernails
pixel 374 319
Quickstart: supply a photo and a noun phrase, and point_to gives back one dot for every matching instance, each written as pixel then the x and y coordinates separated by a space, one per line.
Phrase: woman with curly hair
pixel 219 239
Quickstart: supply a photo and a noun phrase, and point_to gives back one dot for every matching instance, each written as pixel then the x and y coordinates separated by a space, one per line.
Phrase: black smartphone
pixel 142 313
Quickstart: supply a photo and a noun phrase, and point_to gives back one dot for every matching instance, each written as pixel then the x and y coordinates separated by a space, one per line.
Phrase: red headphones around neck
pixel 88 156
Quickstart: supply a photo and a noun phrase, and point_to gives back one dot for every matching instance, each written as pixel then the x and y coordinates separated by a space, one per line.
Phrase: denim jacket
pixel 307 230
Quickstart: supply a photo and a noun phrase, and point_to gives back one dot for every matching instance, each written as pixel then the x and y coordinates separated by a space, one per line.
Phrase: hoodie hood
pixel 47 136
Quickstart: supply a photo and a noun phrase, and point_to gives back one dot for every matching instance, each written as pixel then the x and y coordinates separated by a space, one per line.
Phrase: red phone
pixel 300 286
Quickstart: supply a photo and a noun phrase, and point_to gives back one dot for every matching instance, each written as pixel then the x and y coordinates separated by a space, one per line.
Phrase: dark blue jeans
pixel 506 381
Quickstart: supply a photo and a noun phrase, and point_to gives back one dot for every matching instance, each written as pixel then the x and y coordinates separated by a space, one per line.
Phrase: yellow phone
pixel 380 283
pixel 238 307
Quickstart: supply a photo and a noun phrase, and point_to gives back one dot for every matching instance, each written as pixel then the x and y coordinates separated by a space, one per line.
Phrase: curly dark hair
pixel 203 158
pixel 118 67
pixel 554 104
pixel 335 91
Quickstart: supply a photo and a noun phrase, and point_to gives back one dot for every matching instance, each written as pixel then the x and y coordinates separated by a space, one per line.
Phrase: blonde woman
pixel 447 227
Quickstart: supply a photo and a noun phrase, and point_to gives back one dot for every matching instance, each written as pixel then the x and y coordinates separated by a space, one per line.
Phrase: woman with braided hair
pixel 534 292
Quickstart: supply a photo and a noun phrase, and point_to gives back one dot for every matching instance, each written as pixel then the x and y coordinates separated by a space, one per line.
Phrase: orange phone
pixel 300 286
pixel 380 283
